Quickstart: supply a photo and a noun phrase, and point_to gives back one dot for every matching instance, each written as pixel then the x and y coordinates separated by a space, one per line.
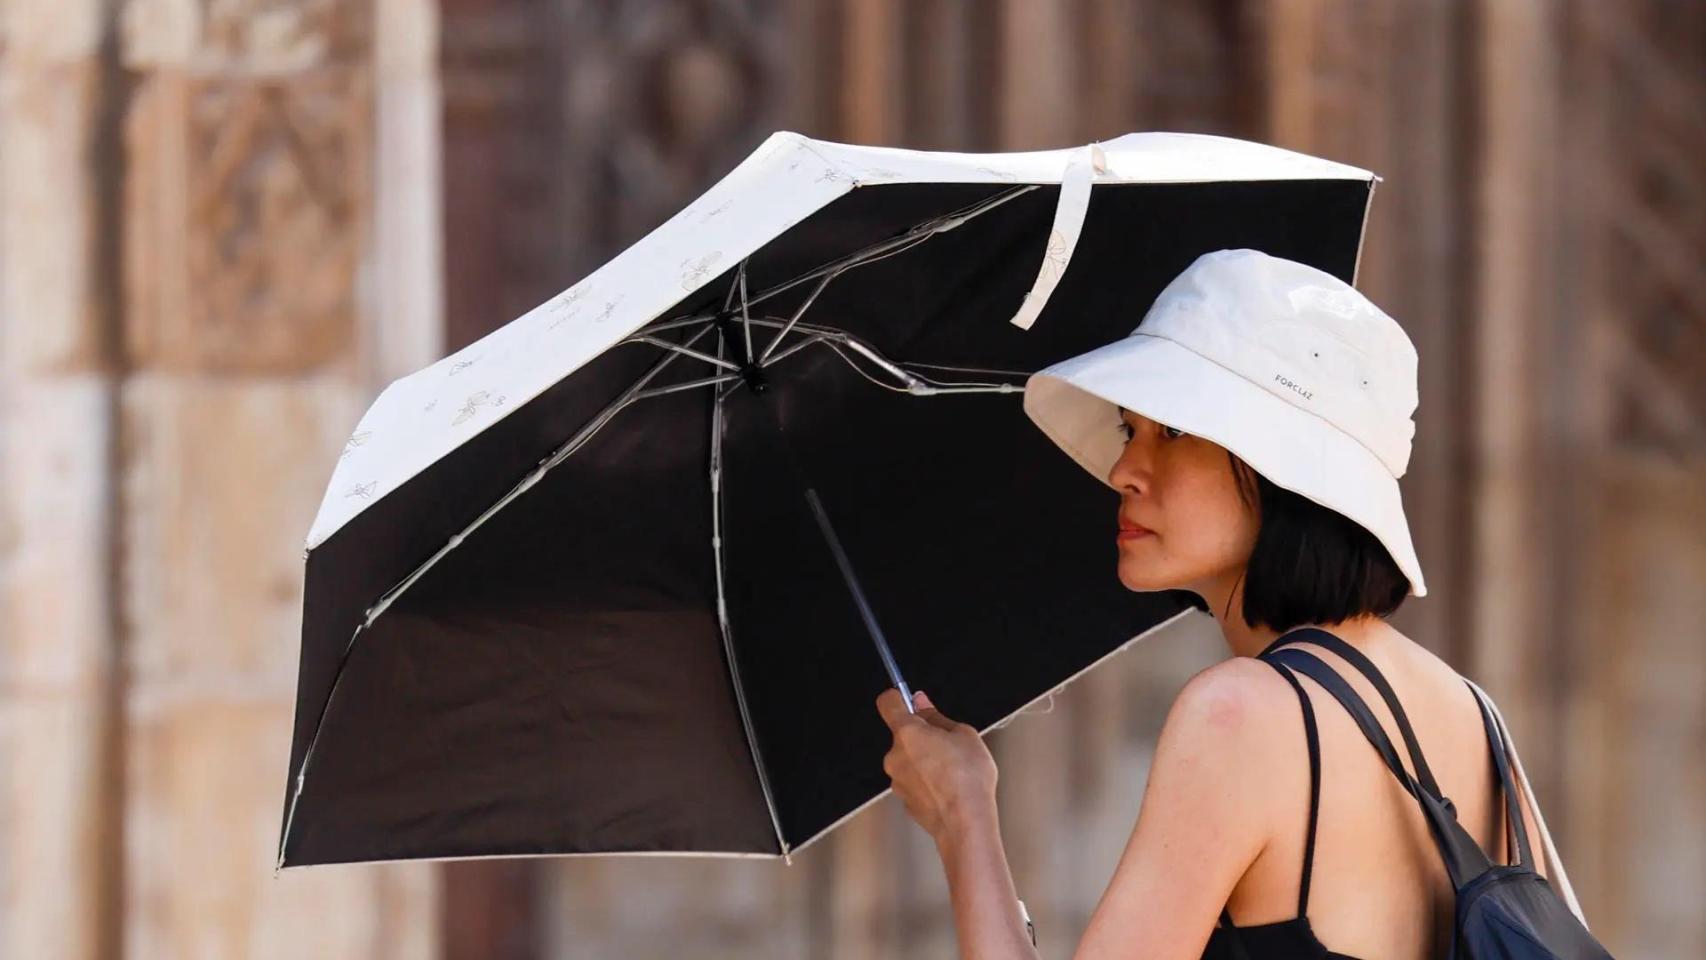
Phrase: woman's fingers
pixel 933 716
pixel 935 765
pixel 893 709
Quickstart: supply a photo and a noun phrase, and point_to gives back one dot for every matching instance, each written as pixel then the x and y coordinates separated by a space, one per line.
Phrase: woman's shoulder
pixel 1235 691
pixel 1238 708
pixel 1231 733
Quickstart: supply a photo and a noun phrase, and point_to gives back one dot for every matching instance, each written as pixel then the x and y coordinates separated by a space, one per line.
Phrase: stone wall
pixel 203 281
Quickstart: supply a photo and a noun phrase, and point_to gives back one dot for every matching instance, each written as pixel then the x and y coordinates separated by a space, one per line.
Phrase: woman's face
pixel 1181 488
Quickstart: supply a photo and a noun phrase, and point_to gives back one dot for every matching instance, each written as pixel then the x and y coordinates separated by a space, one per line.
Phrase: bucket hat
pixel 1285 365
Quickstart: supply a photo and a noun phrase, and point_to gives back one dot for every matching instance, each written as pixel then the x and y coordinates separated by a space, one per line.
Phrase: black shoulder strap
pixel 1366 667
pixel 1514 826
pixel 1311 666
pixel 1313 739
pixel 1464 859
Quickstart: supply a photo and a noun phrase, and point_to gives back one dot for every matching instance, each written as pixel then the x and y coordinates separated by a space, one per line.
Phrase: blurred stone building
pixel 226 224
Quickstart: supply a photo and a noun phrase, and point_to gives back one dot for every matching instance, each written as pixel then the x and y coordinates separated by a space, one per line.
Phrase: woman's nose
pixel 1131 469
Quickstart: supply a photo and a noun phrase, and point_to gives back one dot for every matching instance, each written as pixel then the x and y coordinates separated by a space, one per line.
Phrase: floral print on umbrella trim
pixel 563 318
pixel 459 366
pixel 608 309
pixel 566 299
pixel 475 401
pixel 876 174
pixel 565 310
pixel 1054 259
pixel 716 210
pixel 694 272
pixel 362 490
pixel 355 440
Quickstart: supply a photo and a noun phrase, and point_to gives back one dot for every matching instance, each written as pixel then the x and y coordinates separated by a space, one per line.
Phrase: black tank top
pixel 1291 938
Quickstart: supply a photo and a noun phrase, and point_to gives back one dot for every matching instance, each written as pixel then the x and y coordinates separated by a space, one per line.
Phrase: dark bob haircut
pixel 1310 564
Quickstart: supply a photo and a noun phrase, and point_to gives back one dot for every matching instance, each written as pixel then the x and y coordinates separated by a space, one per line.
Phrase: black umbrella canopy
pixel 565 637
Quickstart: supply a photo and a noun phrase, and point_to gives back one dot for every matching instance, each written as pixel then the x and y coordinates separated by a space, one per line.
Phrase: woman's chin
pixel 1140 580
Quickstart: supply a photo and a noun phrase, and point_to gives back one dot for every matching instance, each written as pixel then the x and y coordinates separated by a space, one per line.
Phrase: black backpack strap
pixel 1514 827
pixel 1356 658
pixel 1313 738
pixel 1311 666
pixel 1463 858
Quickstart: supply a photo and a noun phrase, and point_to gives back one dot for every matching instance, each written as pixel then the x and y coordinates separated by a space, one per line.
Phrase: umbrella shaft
pixel 865 612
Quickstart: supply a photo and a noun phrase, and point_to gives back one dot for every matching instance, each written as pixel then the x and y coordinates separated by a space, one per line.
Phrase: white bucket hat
pixel 1287 366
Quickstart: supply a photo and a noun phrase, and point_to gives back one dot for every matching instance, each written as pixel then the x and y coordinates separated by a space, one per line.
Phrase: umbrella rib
pixel 798 311
pixel 824 273
pixel 677 388
pixel 302 771
pixel 915 384
pixel 745 316
pixel 914 235
pixel 919 232
pixel 856 369
pixel 798 346
pixel 592 426
pixel 679 322
pixel 723 616
pixel 871 255
pixel 940 366
pixel 684 351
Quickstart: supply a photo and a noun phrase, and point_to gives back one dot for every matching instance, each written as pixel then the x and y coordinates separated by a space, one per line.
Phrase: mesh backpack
pixel 1504 911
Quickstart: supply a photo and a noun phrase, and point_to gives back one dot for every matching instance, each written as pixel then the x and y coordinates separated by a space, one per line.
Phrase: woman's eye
pixel 1172 433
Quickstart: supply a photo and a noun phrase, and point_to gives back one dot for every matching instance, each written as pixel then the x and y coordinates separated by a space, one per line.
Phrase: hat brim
pixel 1075 403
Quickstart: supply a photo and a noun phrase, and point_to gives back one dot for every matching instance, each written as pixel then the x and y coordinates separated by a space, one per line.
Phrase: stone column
pixel 57 637
pixel 1515 220
pixel 278 174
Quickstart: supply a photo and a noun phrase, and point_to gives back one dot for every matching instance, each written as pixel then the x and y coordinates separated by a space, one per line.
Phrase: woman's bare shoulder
pixel 1221 748
pixel 1237 707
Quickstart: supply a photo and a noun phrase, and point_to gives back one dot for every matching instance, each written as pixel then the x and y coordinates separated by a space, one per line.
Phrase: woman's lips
pixel 1132 533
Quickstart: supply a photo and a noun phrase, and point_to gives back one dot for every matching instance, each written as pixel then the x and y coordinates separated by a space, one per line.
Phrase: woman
pixel 1255 426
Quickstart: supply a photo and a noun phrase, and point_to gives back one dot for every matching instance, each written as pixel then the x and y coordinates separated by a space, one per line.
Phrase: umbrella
pixel 566 594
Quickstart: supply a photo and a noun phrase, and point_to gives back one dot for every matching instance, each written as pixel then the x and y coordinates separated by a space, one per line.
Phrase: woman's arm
pixel 942 770
pixel 1205 816
pixel 980 885
pixel 1203 820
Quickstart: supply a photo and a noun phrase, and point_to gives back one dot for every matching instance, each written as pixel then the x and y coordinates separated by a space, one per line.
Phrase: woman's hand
pixel 939 768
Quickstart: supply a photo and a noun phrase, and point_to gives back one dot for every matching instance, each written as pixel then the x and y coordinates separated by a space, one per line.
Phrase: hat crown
pixel 1301 334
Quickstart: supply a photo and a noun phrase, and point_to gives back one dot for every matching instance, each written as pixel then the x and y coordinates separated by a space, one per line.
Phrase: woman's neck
pixel 1226 601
